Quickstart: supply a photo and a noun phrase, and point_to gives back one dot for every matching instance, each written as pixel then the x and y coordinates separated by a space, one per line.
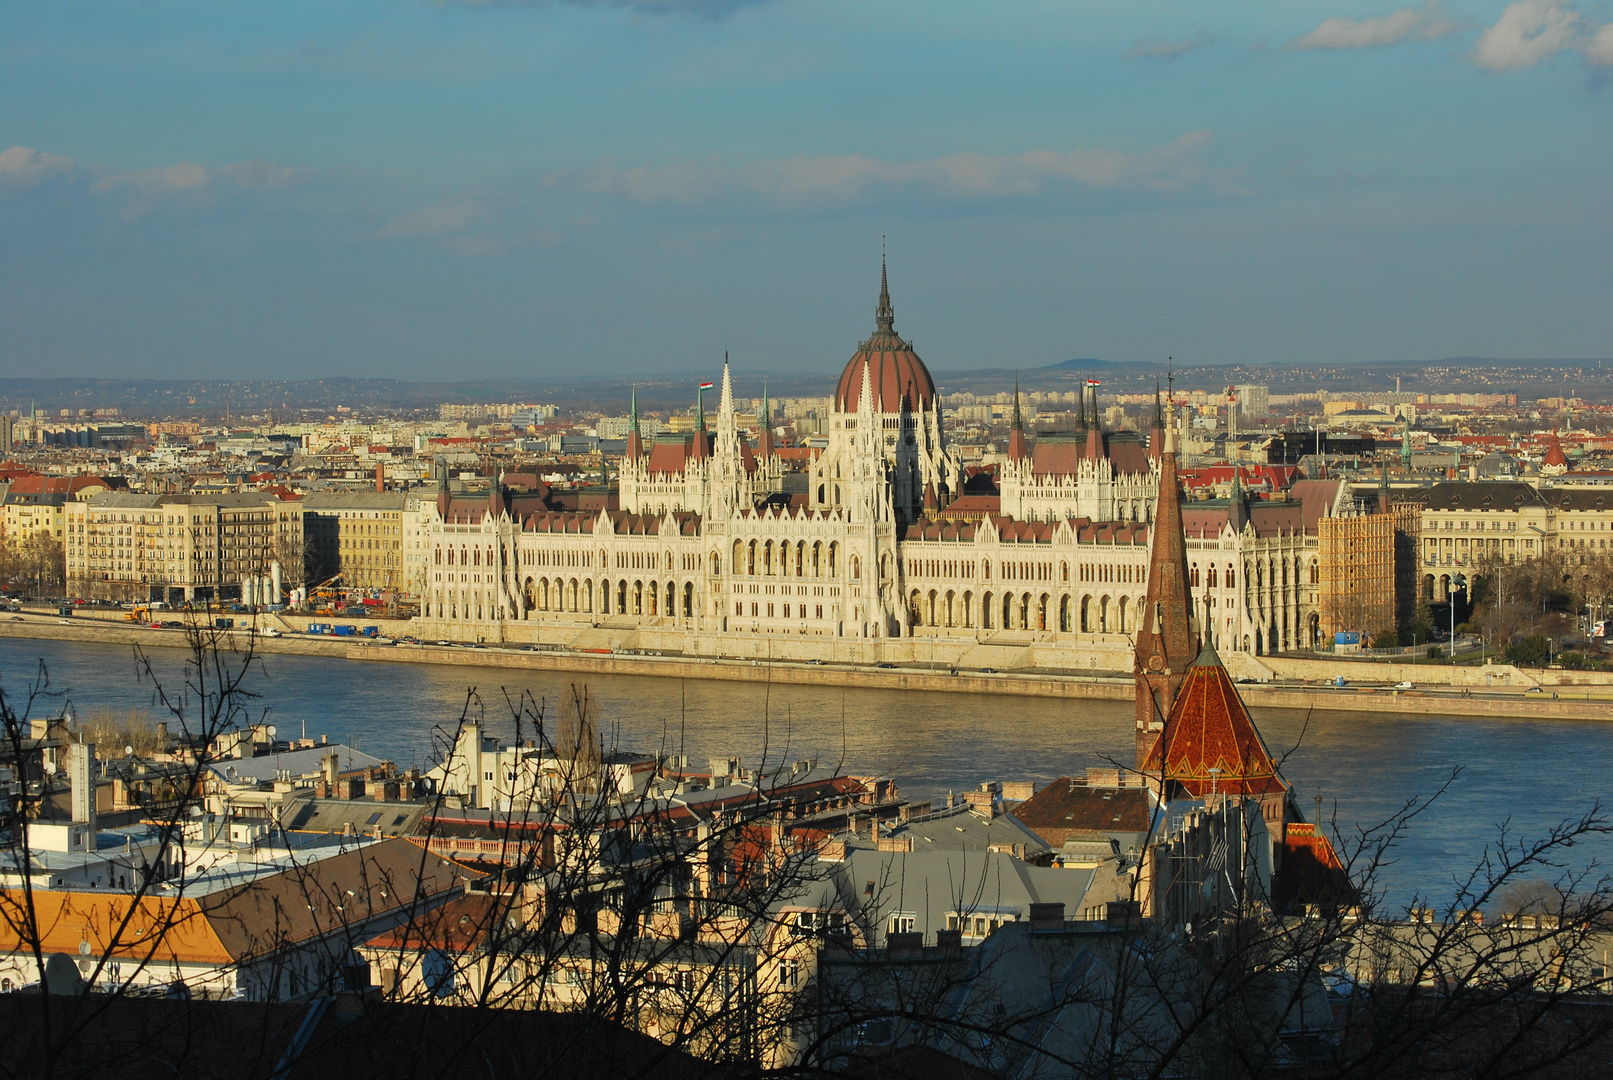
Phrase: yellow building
pixel 357 535
pixel 232 546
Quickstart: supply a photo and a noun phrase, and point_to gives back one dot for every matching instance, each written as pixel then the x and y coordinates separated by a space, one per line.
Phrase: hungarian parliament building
pixel 883 556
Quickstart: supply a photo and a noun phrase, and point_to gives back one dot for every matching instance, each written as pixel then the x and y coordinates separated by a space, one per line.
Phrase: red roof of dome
pixel 899 378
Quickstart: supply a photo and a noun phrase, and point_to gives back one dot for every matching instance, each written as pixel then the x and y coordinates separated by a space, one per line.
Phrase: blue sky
pixel 458 190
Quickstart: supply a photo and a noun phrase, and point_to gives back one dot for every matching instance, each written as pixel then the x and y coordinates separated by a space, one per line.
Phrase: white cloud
pixel 1528 32
pixel 845 178
pixel 262 173
pixel 440 220
pixel 22 167
pixel 1169 50
pixel 168 180
pixel 1599 49
pixel 1343 32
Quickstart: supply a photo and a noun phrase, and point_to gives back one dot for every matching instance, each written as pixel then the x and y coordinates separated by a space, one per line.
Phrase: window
pixel 903 922
pixel 789 973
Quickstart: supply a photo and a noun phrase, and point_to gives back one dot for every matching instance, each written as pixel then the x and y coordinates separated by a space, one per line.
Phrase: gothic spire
pixel 1081 409
pixel 1018 449
pixel 884 314
pixel 1166 643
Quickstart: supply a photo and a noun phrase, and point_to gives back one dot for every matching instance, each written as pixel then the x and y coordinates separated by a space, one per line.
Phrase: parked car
pixel 270 631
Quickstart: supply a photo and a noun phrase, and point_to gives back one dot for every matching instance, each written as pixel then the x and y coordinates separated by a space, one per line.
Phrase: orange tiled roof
pixel 1209 728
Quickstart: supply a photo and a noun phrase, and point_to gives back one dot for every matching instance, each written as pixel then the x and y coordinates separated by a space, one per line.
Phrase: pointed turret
pixel 1209 745
pixel 1018 449
pixel 884 314
pixel 1095 429
pixel 495 494
pixel 1166 642
pixel 444 496
pixel 635 442
pixel 1237 510
pixel 1081 409
pixel 701 449
pixel 1156 437
pixel 765 440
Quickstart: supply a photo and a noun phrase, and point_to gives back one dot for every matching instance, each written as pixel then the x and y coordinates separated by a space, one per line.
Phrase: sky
pixel 447 190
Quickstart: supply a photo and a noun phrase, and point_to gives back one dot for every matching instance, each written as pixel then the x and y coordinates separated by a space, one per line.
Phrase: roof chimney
pixel 380 477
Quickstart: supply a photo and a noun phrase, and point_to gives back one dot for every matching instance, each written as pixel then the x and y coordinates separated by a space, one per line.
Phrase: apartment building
pixel 168 547
pixel 35 505
pixel 357 535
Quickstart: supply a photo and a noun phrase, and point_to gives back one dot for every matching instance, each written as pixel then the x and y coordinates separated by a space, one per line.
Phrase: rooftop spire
pixel 1166 643
pixel 1018 450
pixel 884 315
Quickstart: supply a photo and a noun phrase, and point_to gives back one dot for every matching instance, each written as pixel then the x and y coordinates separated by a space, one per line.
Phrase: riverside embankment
pixel 1309 686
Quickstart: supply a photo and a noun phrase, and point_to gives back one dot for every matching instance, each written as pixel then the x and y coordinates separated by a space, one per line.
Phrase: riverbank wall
pixel 1586 702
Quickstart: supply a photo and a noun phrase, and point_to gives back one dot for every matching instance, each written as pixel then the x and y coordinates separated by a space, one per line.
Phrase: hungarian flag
pixel 706 385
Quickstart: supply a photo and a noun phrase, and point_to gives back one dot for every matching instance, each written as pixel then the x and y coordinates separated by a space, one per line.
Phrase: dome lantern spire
pixel 884 314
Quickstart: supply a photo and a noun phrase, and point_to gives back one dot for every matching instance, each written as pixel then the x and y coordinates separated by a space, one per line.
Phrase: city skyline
pixel 430 191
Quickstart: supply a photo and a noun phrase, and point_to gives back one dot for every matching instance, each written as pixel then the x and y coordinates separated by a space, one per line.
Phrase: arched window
pixel 834 552
pixel 750 561
pixel 1232 577
pixel 1316 573
pixel 968 609
pixel 439 556
pixel 767 557
pixel 1064 613
pixel 985 567
pixel 856 568
pixel 1125 605
pixel 1064 571
pixel 1086 614
pixel 1209 576
pixel 1193 575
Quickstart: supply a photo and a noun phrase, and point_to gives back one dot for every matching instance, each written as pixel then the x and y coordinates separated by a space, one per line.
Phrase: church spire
pixel 1018 450
pixel 1095 429
pixel 764 441
pixel 884 314
pixel 635 441
pixel 1156 437
pixel 1081 408
pixel 1166 643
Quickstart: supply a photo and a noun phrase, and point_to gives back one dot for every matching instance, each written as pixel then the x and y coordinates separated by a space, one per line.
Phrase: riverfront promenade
pixel 1367 688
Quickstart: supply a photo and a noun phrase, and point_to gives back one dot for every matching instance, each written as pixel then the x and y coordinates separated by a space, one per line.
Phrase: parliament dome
pixel 899 378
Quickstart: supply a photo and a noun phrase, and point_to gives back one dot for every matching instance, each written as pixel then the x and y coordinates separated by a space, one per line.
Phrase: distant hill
pixel 1079 365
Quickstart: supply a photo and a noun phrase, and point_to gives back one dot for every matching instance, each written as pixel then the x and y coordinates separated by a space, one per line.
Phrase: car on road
pixel 815 662
pixel 16 618
pixel 988 671
pixel 444 641
pixel 887 664
pixel 1534 690
pixel 65 622
pixel 1404 684
pixel 270 631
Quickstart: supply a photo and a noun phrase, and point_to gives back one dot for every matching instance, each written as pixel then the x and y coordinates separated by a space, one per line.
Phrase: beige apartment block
pixel 357 536
pixel 136 547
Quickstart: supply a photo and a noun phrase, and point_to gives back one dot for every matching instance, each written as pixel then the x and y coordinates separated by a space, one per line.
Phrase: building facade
pixel 171 547
pixel 707 550
pixel 358 537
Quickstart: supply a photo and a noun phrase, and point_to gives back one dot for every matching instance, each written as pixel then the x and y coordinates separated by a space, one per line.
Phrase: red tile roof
pixel 1210 728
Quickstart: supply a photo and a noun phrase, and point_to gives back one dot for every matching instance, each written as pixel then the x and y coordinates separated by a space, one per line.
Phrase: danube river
pixel 1532 772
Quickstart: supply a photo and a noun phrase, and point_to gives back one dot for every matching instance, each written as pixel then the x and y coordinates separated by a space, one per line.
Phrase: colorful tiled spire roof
pixel 1209 728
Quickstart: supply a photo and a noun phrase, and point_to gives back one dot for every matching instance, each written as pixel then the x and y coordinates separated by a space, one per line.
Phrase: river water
pixel 1531 774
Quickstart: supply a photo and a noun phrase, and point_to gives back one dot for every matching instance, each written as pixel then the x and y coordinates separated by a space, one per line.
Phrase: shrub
pixel 1386 639
pixel 1528 651
pixel 1434 653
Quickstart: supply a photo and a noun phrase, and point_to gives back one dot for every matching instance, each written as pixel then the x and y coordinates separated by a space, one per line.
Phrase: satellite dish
pixel 272 731
pixel 84 948
pixel 50 768
pixel 128 751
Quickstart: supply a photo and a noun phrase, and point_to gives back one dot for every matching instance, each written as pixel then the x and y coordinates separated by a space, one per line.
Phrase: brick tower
pixel 1166 642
